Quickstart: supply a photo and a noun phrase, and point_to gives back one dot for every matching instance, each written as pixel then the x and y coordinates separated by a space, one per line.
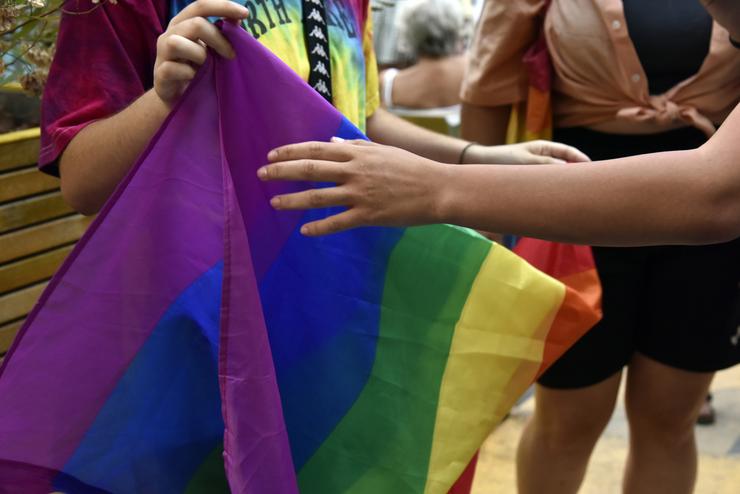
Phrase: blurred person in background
pixel 431 36
pixel 630 78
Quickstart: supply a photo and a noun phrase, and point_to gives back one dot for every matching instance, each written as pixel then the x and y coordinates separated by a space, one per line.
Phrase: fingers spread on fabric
pixel 311 199
pixel 380 185
pixel 312 150
pixel 304 169
pixel 333 224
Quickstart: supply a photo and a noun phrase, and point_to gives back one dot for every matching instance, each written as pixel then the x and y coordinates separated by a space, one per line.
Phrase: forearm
pixel 98 158
pixel 385 128
pixel 677 197
pixel 485 124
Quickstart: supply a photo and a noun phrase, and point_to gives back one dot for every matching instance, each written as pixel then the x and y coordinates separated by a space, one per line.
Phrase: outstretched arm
pixel 684 197
pixel 384 127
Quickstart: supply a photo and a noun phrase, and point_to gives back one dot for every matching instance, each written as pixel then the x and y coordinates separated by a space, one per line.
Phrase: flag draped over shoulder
pixel 194 331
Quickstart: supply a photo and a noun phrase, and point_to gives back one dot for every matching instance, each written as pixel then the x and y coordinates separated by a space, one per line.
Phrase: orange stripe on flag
pixel 582 304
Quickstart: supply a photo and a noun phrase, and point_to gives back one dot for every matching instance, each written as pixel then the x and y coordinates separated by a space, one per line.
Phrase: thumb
pixel 538 159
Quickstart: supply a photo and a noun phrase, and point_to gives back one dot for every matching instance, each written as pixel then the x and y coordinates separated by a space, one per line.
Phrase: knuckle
pixel 359 166
pixel 166 70
pixel 200 22
pixel 370 216
pixel 162 43
pixel 315 197
pixel 309 168
pixel 194 26
pixel 314 148
pixel 171 43
pixel 198 6
pixel 331 225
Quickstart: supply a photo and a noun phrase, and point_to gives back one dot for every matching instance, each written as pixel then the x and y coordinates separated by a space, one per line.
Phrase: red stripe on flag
pixel 465 483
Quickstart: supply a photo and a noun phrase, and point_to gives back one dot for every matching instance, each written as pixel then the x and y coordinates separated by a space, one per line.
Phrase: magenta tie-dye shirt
pixel 105 59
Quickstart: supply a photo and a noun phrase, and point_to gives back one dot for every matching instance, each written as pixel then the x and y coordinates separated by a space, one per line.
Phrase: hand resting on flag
pixel 682 197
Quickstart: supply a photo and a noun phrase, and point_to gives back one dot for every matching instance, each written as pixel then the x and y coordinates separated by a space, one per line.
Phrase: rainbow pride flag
pixel 194 341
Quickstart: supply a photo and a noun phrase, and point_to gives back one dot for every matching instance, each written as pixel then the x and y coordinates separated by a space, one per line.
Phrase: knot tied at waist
pixel 664 112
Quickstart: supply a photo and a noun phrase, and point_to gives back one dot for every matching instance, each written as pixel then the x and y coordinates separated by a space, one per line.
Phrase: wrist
pixel 161 104
pixel 479 154
pixel 441 192
pixel 466 153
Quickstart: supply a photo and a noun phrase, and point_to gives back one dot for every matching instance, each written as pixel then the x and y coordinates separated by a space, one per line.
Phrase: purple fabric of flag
pixel 174 217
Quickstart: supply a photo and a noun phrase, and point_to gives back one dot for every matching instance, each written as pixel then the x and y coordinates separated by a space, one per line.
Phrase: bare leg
pixel 662 405
pixel 557 442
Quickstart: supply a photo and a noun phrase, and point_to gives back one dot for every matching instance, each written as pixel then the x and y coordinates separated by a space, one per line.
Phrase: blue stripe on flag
pixel 164 416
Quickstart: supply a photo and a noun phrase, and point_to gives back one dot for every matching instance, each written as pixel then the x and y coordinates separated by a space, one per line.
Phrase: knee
pixel 669 426
pixel 569 428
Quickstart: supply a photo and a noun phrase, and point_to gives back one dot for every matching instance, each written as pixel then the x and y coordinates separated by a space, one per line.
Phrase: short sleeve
pixel 372 92
pixel 495 73
pixel 104 60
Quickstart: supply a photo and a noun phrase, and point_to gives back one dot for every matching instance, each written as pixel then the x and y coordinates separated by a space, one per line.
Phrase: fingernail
pixel 275 202
pixel 262 172
pixel 304 230
pixel 272 155
pixel 243 11
pixel 337 139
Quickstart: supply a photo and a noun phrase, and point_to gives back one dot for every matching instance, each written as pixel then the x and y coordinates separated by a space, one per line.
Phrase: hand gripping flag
pixel 194 338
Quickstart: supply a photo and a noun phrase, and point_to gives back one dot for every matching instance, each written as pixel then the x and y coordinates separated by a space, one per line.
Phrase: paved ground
pixel 719 448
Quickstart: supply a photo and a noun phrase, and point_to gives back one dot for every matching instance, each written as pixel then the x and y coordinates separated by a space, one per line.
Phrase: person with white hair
pixel 431 35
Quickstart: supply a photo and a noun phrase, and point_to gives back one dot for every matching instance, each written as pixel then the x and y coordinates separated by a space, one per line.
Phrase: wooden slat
pixel 12 87
pixel 7 334
pixel 33 210
pixel 19 148
pixel 24 183
pixel 17 304
pixel 42 237
pixel 31 269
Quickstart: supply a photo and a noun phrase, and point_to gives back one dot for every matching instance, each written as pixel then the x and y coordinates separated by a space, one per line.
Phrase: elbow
pixel 725 225
pixel 79 195
pixel 720 219
pixel 78 202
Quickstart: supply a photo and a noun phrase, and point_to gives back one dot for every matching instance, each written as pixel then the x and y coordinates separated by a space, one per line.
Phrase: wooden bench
pixel 37 230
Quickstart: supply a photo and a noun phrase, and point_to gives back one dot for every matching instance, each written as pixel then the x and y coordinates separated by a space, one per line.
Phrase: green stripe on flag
pixel 383 444
pixel 210 478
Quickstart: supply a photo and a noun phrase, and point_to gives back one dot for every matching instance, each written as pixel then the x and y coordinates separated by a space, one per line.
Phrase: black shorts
pixel 675 304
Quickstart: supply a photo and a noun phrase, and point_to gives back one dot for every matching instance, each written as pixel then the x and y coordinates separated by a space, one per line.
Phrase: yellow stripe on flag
pixel 495 354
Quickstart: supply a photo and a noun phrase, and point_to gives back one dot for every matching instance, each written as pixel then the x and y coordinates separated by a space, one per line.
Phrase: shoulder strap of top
pixel 389 76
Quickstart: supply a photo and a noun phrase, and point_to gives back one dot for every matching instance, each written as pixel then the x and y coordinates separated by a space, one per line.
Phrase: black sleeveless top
pixel 671 38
